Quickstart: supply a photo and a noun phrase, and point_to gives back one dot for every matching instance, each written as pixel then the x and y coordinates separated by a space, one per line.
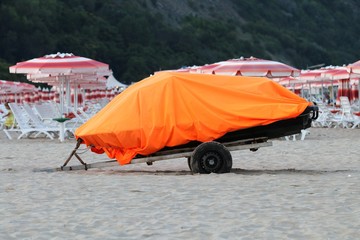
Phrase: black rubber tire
pixel 210 157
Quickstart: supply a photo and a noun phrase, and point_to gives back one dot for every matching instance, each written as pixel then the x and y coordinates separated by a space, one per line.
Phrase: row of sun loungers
pixel 346 116
pixel 38 120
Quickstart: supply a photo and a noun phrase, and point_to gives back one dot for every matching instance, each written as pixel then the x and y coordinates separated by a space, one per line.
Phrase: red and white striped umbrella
pixel 309 76
pixel 348 82
pixel 312 78
pixel 59 64
pixel 16 87
pixel 249 67
pixel 337 73
pixel 13 91
pixel 285 81
pixel 354 67
pixel 61 68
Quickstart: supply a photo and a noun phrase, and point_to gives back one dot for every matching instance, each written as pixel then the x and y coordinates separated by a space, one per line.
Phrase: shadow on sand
pixel 233 171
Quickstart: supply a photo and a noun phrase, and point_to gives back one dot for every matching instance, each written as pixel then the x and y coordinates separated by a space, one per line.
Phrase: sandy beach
pixel 292 190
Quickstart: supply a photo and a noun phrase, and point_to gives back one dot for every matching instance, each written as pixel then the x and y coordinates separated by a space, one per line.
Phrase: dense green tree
pixel 137 38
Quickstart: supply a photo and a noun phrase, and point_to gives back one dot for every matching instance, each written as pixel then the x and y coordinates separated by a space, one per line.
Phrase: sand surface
pixel 292 190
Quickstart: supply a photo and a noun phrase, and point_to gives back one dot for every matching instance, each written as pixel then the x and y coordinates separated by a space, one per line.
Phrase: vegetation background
pixel 138 37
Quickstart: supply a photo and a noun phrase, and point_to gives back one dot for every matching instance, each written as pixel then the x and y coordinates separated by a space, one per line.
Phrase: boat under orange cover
pixel 173 108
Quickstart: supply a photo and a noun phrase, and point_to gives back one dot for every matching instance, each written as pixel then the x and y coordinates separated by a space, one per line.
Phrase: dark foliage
pixel 137 37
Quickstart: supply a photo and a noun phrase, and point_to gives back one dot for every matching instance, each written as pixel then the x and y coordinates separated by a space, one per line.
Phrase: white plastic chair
pixel 347 118
pixel 49 111
pixel 324 118
pixel 25 126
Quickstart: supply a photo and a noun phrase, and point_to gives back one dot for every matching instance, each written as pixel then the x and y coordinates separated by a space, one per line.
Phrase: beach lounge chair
pixel 345 118
pixel 3 111
pixel 325 116
pixel 49 111
pixel 80 115
pixel 356 122
pixel 27 126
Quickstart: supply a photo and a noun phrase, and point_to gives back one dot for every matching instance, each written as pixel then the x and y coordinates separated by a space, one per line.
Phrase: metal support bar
pixel 73 152
pixel 251 144
pixel 171 154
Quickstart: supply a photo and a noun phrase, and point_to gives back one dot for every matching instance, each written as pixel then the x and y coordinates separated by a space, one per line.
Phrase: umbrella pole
pixel 332 91
pixel 83 93
pixel 68 95
pixel 61 93
pixel 76 97
pixel 359 93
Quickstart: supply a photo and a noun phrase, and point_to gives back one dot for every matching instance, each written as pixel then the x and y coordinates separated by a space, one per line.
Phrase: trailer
pixel 207 157
pixel 200 117
pixel 213 156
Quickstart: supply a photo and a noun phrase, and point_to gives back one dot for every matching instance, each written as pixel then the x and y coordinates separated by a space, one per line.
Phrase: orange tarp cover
pixel 173 108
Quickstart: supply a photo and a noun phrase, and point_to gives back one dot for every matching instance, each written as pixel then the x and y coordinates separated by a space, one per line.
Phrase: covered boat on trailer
pixel 200 114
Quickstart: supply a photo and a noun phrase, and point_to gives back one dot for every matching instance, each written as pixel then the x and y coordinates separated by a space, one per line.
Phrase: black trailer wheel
pixel 210 157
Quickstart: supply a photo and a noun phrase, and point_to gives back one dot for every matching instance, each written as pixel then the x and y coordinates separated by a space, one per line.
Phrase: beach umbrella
pixel 311 75
pixel 60 67
pixel 6 86
pixel 354 68
pixel 313 79
pixel 341 77
pixel 60 64
pixel 12 91
pixel 293 84
pixel 354 93
pixel 16 87
pixel 346 79
pixel 76 83
pixel 112 82
pixel 173 108
pixel 36 97
pixel 287 82
pixel 252 66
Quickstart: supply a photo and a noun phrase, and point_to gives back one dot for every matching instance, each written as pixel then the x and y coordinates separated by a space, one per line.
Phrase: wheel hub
pixel 211 161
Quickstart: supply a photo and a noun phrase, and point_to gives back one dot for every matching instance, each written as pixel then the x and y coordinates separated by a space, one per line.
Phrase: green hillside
pixel 138 37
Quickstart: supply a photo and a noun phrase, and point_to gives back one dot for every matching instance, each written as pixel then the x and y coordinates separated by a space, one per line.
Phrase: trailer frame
pixel 252 144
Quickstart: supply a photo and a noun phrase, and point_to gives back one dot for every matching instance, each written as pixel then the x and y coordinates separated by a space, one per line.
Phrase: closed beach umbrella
pixel 354 68
pixel 251 67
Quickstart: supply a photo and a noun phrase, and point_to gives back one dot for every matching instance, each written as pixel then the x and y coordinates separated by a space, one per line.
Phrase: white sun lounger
pixel 26 126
